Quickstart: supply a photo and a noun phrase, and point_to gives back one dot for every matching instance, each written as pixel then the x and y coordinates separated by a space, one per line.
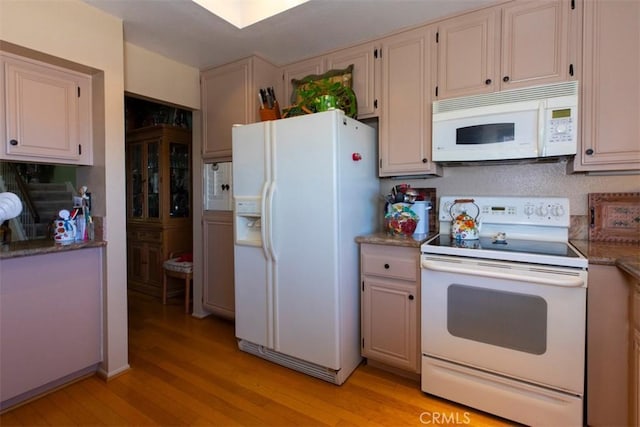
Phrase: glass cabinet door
pixel 179 197
pixel 136 207
pixel 153 180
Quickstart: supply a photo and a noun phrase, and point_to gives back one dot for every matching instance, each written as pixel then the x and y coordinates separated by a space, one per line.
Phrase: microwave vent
pixel 506 97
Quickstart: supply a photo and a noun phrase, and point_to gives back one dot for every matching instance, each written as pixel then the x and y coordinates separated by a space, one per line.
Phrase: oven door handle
pixel 564 281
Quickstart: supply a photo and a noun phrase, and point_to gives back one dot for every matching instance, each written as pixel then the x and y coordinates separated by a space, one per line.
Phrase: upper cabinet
pixel 405 117
pixel 364 82
pixel 47 110
pixel 363 57
pixel 610 88
pixel 493 49
pixel 298 71
pixel 230 96
pixel 543 59
pixel 468 47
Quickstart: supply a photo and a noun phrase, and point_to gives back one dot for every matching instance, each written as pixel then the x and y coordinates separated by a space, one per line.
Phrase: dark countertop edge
pixel 42 247
pixel 625 256
pixel 383 238
pixel 630 265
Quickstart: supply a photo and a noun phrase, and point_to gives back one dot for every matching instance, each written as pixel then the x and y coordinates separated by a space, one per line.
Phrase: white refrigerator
pixel 304 188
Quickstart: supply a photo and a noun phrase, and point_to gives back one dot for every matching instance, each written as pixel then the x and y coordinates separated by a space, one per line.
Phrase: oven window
pixel 485 134
pixel 506 319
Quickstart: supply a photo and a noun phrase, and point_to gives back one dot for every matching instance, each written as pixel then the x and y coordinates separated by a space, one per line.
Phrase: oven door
pixel 523 321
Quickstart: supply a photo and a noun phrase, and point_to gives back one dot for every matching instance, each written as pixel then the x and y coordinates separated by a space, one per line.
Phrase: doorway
pixel 159 183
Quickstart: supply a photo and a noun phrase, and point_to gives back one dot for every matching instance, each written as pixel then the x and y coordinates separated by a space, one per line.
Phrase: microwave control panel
pixel 561 125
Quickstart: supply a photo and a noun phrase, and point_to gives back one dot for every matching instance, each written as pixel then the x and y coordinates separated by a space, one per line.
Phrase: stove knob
pixel 528 210
pixel 557 210
pixel 542 210
pixel 444 214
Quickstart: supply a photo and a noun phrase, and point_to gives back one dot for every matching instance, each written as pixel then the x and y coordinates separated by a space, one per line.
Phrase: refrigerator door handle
pixel 270 217
pixel 264 219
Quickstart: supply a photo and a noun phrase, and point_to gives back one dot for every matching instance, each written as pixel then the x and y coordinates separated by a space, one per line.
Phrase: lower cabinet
pixel 148 246
pixel 219 291
pixel 634 401
pixel 50 321
pixel 390 305
pixel 607 346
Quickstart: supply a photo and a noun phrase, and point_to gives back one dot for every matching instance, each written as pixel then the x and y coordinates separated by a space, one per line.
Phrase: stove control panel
pixel 526 210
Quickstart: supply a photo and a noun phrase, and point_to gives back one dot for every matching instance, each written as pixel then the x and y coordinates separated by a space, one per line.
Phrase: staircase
pixel 48 200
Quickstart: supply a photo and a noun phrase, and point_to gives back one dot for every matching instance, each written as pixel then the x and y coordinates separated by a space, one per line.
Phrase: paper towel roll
pixel 421 208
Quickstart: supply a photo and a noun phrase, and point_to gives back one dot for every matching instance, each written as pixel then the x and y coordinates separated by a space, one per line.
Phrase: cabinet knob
pixel 589 151
pixel 411 297
pixel 386 266
pixel 505 79
pixel 487 82
pixel 424 160
pixel 13 142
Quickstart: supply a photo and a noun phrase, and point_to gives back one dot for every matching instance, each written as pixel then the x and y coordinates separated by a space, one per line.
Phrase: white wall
pixel 74 31
pixel 154 76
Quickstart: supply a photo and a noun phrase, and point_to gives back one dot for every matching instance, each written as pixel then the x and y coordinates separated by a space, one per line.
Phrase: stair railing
pixel 15 183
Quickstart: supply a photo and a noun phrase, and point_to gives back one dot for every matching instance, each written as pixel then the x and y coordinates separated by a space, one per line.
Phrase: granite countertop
pixel 624 255
pixel 384 238
pixel 43 246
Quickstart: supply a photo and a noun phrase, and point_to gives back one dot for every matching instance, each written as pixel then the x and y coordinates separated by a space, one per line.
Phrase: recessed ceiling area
pixel 242 13
pixel 185 32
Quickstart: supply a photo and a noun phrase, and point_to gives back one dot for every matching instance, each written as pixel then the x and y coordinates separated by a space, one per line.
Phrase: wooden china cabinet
pixel 159 218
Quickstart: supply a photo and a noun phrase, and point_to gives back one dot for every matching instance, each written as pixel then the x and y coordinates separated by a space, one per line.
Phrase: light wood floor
pixel 188 371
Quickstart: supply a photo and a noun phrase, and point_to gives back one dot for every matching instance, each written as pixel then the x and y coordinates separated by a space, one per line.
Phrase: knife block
pixel 270 113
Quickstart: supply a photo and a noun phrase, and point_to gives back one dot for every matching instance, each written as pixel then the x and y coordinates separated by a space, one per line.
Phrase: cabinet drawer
pixel 389 261
pixel 150 236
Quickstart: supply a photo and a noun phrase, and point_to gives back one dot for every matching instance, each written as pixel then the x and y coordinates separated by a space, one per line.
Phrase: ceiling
pixel 185 32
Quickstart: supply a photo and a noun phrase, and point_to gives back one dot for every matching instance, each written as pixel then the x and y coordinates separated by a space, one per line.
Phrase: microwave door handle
pixel 566 282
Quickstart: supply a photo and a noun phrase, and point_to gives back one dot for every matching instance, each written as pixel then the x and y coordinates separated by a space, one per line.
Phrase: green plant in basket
pixel 324 94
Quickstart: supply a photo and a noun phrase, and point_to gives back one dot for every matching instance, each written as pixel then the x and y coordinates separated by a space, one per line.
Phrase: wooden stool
pixel 180 270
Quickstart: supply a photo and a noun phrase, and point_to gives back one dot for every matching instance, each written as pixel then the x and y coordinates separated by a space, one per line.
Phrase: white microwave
pixel 540 121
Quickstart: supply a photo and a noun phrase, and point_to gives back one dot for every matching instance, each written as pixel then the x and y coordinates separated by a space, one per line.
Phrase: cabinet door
pixel 363 58
pixel 225 102
pixel 136 179
pixel 137 261
pixel 543 59
pixel 179 188
pixel 299 70
pixel 405 117
pixel 468 54
pixel 635 379
pixel 389 322
pixel 218 292
pixel 155 257
pixel 47 113
pixel 154 179
pixel 608 373
pixel 610 87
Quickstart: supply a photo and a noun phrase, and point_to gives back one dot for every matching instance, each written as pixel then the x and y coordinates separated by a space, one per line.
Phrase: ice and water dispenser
pixel 248 213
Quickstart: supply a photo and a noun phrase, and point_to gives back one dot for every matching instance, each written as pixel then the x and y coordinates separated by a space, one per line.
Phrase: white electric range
pixel 504 320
